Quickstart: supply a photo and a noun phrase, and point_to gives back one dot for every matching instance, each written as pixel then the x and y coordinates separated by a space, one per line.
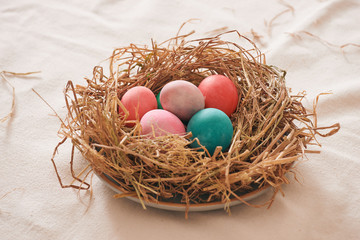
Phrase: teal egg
pixel 158 101
pixel 212 127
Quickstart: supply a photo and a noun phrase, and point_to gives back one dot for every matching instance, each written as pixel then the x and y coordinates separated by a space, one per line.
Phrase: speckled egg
pixel 182 98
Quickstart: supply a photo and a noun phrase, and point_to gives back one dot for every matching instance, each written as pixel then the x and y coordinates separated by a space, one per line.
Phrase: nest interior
pixel 272 129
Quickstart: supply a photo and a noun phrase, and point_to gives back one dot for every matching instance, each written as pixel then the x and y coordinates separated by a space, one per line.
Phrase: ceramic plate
pixel 173 206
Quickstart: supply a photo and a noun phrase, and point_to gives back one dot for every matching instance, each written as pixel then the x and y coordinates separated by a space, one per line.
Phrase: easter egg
pixel 182 98
pixel 159 122
pixel 158 101
pixel 219 92
pixel 138 101
pixel 212 127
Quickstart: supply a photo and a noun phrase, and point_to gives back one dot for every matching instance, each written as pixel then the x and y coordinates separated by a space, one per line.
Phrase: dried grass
pixel 272 129
pixel 298 35
pixel 3 75
pixel 269 25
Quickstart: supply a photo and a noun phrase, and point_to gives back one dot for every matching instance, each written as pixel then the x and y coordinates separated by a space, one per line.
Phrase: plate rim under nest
pixel 179 207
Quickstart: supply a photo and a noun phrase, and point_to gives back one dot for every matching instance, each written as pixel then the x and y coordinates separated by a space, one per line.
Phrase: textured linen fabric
pixel 66 39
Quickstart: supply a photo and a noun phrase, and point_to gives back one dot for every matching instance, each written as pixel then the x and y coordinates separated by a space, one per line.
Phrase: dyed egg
pixel 212 127
pixel 158 101
pixel 160 122
pixel 138 101
pixel 182 98
pixel 219 92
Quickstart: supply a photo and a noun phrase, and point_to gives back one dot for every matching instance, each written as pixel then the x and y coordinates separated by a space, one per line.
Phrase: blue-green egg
pixel 159 106
pixel 212 127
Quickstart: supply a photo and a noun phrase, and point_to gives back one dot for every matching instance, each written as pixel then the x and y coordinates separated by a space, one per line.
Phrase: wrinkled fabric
pixel 66 39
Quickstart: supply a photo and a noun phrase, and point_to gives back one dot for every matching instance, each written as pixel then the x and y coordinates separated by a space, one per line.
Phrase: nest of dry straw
pixel 271 128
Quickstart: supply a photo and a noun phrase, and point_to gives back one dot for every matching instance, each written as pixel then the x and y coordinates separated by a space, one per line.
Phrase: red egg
pixel 182 98
pixel 219 92
pixel 159 122
pixel 138 101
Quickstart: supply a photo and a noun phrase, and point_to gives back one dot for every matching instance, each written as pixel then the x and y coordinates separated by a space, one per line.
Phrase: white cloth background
pixel 66 39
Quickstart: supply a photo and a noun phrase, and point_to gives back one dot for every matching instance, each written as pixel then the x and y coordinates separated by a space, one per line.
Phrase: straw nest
pixel 272 129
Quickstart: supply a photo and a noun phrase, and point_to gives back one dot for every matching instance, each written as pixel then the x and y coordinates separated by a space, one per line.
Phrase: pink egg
pixel 219 92
pixel 138 101
pixel 160 122
pixel 182 98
